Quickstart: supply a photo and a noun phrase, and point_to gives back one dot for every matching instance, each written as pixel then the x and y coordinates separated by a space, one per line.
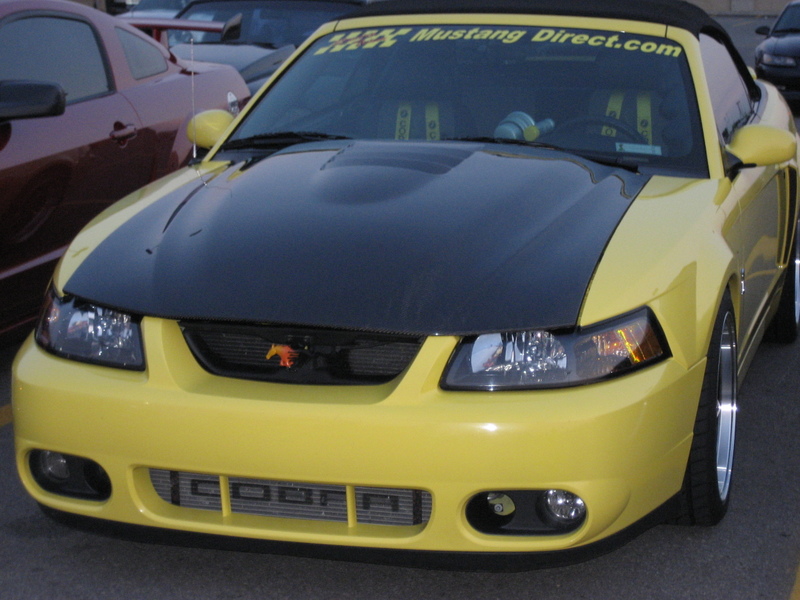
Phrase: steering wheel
pixel 604 121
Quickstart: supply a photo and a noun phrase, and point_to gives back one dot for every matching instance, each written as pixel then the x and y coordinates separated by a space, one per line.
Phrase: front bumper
pixel 786 79
pixel 621 445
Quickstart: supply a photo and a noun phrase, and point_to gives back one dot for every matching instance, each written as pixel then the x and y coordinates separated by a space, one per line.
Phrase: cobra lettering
pixel 368 499
pixel 262 492
pixel 203 487
pixel 281 494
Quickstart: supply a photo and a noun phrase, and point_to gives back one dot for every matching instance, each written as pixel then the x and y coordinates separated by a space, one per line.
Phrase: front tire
pixel 707 484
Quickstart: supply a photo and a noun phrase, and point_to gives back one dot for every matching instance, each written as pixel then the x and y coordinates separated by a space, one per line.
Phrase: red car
pixel 122 124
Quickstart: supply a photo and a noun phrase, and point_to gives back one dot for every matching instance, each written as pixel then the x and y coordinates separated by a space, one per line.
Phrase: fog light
pixel 54 465
pixel 69 475
pixel 564 508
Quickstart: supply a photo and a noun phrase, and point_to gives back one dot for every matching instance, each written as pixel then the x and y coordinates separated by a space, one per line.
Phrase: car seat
pixel 644 93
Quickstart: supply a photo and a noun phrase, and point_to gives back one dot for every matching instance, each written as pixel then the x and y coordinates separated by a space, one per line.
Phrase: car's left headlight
pixel 546 359
pixel 774 60
pixel 80 331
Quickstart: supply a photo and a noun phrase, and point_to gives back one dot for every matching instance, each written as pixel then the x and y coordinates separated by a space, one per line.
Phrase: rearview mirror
pixel 20 99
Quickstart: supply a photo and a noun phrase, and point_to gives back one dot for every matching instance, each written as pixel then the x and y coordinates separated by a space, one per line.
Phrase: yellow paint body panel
pixel 620 445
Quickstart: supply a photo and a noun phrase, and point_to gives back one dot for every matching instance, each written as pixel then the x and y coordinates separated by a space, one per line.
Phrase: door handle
pixel 122 132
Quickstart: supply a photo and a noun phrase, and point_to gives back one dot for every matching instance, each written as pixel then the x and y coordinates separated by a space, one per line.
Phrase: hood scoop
pixel 436 159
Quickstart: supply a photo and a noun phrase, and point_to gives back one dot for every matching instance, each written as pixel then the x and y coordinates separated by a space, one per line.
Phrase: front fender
pixel 672 252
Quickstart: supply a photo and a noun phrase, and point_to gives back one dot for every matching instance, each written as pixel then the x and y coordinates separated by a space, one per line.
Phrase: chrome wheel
pixel 705 496
pixel 727 390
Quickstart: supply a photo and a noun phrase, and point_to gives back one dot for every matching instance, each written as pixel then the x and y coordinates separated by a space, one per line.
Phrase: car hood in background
pixel 782 44
pixel 447 238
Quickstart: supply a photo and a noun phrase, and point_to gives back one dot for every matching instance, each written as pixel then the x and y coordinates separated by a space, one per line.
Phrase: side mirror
pixel 763 30
pixel 206 128
pixel 762 145
pixel 21 99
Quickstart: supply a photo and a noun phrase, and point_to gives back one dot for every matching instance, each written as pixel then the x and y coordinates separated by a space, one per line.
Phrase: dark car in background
pixel 127 103
pixel 267 32
pixel 778 56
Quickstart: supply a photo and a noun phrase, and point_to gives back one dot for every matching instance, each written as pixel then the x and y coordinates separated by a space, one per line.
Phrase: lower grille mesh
pixel 288 500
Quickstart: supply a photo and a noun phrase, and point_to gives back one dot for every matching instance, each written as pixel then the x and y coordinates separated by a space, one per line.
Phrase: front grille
pixel 304 356
pixel 289 500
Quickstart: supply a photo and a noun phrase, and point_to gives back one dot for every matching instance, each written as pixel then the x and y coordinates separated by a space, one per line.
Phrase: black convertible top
pixel 668 12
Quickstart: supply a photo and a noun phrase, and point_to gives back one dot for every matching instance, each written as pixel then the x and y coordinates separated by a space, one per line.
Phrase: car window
pixel 144 59
pixel 276 23
pixel 730 96
pixel 71 55
pixel 160 5
pixel 624 96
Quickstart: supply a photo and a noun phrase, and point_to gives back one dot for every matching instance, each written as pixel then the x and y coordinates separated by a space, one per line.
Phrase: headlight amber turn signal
pixel 542 359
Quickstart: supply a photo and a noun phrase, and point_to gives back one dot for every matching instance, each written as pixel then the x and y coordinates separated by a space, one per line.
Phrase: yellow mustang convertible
pixel 467 279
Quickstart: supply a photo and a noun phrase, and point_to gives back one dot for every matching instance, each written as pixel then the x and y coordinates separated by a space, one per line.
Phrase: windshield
pixel 273 23
pixel 789 20
pixel 623 98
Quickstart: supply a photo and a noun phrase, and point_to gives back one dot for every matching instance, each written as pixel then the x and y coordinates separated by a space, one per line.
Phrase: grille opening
pixel 291 500
pixel 301 356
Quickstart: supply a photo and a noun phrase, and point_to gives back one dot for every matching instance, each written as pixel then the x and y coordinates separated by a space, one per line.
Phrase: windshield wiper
pixel 280 139
pixel 623 162
pixel 493 140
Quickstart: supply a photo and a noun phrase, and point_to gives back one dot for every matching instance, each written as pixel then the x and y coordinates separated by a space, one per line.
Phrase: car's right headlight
pixel 81 331
pixel 516 360
pixel 775 60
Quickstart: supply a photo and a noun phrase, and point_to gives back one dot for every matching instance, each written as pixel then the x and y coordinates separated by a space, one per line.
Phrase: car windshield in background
pixel 789 21
pixel 272 24
pixel 569 88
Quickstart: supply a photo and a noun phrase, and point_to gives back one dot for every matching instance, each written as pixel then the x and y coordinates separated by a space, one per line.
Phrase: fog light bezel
pixel 529 516
pixel 85 479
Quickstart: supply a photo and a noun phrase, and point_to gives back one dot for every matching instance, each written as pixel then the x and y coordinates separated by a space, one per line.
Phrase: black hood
pixel 447 238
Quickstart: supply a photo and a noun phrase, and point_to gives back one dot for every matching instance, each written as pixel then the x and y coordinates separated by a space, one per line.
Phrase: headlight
pixel 81 331
pixel 778 61
pixel 542 359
